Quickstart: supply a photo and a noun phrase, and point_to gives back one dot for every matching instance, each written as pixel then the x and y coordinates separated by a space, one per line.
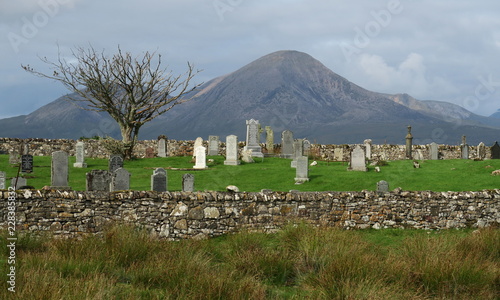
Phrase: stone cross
pixel 2 180
pixel 213 145
pixel 115 162
pixel 481 151
pixel 409 138
pixel 162 146
pixel 120 180
pixel 368 148
pixel 253 138
pixel 98 180
pixel 80 155
pixel 302 171
pixel 159 180
pixel 26 163
pixel 60 170
pixel 20 182
pixel 495 151
pixel 382 186
pixel 434 151
pixel 201 161
pixel 231 151
pixel 358 159
pixel 269 140
pixel 287 144
pixel 188 183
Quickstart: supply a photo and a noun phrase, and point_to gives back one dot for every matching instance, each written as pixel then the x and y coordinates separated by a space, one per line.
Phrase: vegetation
pixel 132 90
pixel 298 262
pixel 276 174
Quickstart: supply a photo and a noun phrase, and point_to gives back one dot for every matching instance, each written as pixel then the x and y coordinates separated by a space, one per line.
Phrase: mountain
pixel 496 115
pixel 284 90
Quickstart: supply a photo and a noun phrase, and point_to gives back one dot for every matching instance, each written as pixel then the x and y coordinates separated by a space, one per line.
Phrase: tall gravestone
pixel 188 183
pixel 382 186
pixel 120 180
pixel 306 147
pixel 481 151
pixel 197 143
pixel 287 144
pixel 269 140
pixel 253 138
pixel 464 148
pixel 201 158
pixel 14 157
pixel 80 155
pixel 434 152
pixel 298 151
pixel 18 182
pixel 115 162
pixel 27 163
pixel 98 180
pixel 162 146
pixel 231 151
pixel 213 145
pixel 368 148
pixel 302 171
pixel 2 180
pixel 60 170
pixel 358 159
pixel 26 149
pixel 159 180
pixel 409 144
pixel 495 151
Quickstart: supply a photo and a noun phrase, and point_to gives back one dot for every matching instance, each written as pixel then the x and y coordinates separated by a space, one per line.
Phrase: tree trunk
pixel 128 140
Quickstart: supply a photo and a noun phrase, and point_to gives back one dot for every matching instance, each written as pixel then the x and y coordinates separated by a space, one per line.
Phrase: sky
pixel 444 50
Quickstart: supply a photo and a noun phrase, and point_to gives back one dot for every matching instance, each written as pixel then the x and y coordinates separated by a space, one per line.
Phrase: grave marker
pixel 495 151
pixel 60 170
pixel 253 138
pixel 464 148
pixel 150 152
pixel 302 171
pixel 115 162
pixel 481 151
pixel 201 162
pixel 286 144
pixel 197 143
pixel 434 151
pixel 20 182
pixel 368 148
pixel 298 149
pixel 27 163
pixel 159 180
pixel 231 151
pixel 213 145
pixel 98 180
pixel 188 183
pixel 14 157
pixel 358 159
pixel 382 186
pixel 306 147
pixel 80 155
pixel 120 180
pixel 269 140
pixel 162 146
pixel 409 138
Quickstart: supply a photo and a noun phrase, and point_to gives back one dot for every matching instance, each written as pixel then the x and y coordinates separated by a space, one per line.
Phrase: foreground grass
pixel 298 262
pixel 276 174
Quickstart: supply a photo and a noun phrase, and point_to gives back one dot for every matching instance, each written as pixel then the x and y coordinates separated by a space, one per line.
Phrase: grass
pixel 276 174
pixel 298 262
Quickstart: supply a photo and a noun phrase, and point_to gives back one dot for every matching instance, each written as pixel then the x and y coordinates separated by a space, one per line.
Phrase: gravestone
pixel 27 163
pixel 14 157
pixel 409 145
pixel 358 159
pixel 162 146
pixel 434 151
pixel 338 154
pixel 26 148
pixel 159 180
pixel 481 151
pixel 20 182
pixel 464 148
pixel 201 161
pixel 382 186
pixel 246 156
pixel 60 170
pixel 269 140
pixel 253 138
pixel 150 152
pixel 2 180
pixel 98 180
pixel 306 147
pixel 298 148
pixel 188 183
pixel 368 148
pixel 231 151
pixel 495 151
pixel 115 162
pixel 120 180
pixel 302 171
pixel 287 144
pixel 80 155
pixel 197 143
pixel 213 145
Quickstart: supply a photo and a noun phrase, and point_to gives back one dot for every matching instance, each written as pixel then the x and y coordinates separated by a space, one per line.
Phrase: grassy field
pixel 276 174
pixel 299 262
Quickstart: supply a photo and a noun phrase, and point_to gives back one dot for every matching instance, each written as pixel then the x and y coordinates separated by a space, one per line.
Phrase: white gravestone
pixel 434 151
pixel 231 151
pixel 302 171
pixel 80 155
pixel 162 146
pixel 201 162
pixel 358 159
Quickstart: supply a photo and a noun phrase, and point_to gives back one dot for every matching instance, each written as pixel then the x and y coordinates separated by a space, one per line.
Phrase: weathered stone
pixel 253 138
pixel 80 155
pixel 286 144
pixel 211 212
pixel 60 170
pixel 115 162
pixel 188 182
pixel 213 145
pixel 98 180
pixel 196 213
pixel 358 159
pixel 159 180
pixel 231 151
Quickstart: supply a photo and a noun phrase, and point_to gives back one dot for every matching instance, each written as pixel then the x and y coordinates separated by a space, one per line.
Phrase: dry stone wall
pixel 45 147
pixel 180 215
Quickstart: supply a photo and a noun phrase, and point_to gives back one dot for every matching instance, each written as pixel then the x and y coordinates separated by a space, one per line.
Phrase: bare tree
pixel 132 90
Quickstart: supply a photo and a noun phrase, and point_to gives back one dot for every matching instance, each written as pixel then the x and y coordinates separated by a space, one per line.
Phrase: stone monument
pixel 253 138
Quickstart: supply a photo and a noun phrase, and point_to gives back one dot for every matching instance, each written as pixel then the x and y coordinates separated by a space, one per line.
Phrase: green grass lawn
pixel 276 174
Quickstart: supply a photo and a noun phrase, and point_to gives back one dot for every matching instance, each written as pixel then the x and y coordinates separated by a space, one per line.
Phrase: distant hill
pixel 284 90
pixel 496 115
